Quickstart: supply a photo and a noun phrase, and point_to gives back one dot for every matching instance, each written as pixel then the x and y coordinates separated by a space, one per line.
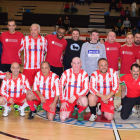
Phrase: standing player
pixel 73 48
pixel 13 91
pixel 128 55
pixel 104 83
pixel 34 47
pixel 91 52
pixel 45 90
pixel 112 51
pixel 56 47
pixel 132 98
pixel 74 85
pixel 11 41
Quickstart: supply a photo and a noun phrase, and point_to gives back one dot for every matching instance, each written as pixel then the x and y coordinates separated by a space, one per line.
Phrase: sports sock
pixel 93 109
pixel 31 105
pixel 5 106
pixel 81 108
pixel 24 105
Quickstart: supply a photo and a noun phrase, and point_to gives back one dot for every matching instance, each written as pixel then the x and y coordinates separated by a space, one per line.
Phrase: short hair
pixel 135 65
pixel 96 31
pixel 11 20
pixel 62 27
pixel 102 59
pixel 46 63
pixel 75 29
pixel 36 25
pixel 129 33
pixel 136 33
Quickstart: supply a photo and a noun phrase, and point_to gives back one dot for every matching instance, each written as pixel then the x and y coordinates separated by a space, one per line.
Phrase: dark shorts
pixel 57 70
pixel 5 67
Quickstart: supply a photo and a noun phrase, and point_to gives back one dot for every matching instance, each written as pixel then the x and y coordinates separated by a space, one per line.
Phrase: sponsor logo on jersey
pixel 11 40
pixel 97 47
pixel 35 49
pixel 57 44
pixel 112 48
pixel 75 47
pixel 127 52
pixel 15 90
pixel 44 87
pixel 75 85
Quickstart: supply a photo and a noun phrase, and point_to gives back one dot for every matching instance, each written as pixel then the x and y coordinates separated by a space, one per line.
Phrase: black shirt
pixel 73 49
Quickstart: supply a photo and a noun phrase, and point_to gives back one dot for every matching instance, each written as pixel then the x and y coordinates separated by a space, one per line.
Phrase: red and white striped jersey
pixel 47 85
pixel 2 75
pixel 104 83
pixel 73 84
pixel 34 50
pixel 14 88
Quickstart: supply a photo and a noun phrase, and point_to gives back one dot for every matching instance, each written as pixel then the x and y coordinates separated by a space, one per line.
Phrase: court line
pixel 12 136
pixel 116 133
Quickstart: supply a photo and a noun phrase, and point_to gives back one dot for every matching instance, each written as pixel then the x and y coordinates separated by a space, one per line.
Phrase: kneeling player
pixel 13 91
pixel 46 91
pixel 104 83
pixel 74 85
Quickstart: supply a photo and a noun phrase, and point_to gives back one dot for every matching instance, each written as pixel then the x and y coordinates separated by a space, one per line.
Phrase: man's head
pixel 129 38
pixel 103 65
pixel 76 64
pixel 135 70
pixel 35 30
pixel 61 32
pixel 11 26
pixel 75 34
pixel 94 36
pixel 111 37
pixel 15 68
pixel 45 68
pixel 137 39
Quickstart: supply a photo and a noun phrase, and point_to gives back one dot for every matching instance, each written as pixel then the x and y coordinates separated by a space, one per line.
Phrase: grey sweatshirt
pixel 126 23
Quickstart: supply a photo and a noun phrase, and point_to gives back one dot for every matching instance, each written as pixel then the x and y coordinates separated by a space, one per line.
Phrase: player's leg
pixel 50 116
pixel 92 105
pixel 64 115
pixel 7 109
pixel 108 116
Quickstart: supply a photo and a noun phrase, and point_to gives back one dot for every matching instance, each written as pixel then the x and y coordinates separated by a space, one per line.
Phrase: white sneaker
pixel 87 109
pixel 119 108
pixel 92 118
pixel 98 111
pixel 134 110
pixel 21 111
pixel 6 111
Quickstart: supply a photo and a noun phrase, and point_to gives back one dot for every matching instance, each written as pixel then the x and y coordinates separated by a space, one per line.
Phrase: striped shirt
pixel 73 84
pixel 14 88
pixel 2 75
pixel 34 50
pixel 104 83
pixel 47 85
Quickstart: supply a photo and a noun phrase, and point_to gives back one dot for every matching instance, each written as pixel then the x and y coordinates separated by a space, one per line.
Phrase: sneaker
pixel 21 111
pixel 6 111
pixel 27 109
pixel 80 116
pixel 15 107
pixel 39 108
pixel 92 118
pixel 118 108
pixel 32 114
pixel 98 111
pixel 74 112
pixel 87 109
pixel 134 110
pixel 1 108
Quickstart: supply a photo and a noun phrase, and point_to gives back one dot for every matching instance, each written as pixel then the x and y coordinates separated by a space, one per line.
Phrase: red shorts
pixel 18 100
pixel 30 74
pixel 70 106
pixel 107 107
pixel 46 106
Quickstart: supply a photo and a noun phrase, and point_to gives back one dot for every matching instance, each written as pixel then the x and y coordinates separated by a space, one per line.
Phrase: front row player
pixel 132 82
pixel 104 83
pixel 45 90
pixel 13 91
pixel 74 85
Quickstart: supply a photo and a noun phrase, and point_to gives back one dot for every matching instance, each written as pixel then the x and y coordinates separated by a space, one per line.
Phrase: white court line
pixel 116 133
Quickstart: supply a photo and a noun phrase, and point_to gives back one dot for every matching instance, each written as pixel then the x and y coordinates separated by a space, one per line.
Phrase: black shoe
pixel 32 114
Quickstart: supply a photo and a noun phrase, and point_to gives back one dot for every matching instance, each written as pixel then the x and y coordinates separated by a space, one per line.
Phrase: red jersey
pixel 73 84
pixel 55 50
pixel 34 50
pixel 138 49
pixel 132 85
pixel 128 56
pixel 10 45
pixel 2 75
pixel 112 54
pixel 47 85
pixel 14 88
pixel 104 83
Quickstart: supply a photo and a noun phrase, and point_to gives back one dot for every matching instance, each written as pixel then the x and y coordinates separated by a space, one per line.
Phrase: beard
pixel 137 43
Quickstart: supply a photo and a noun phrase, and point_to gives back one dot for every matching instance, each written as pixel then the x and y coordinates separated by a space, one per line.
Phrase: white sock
pixel 5 106
pixel 24 105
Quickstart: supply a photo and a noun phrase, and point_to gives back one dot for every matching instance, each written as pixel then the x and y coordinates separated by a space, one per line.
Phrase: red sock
pixel 81 108
pixel 31 105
